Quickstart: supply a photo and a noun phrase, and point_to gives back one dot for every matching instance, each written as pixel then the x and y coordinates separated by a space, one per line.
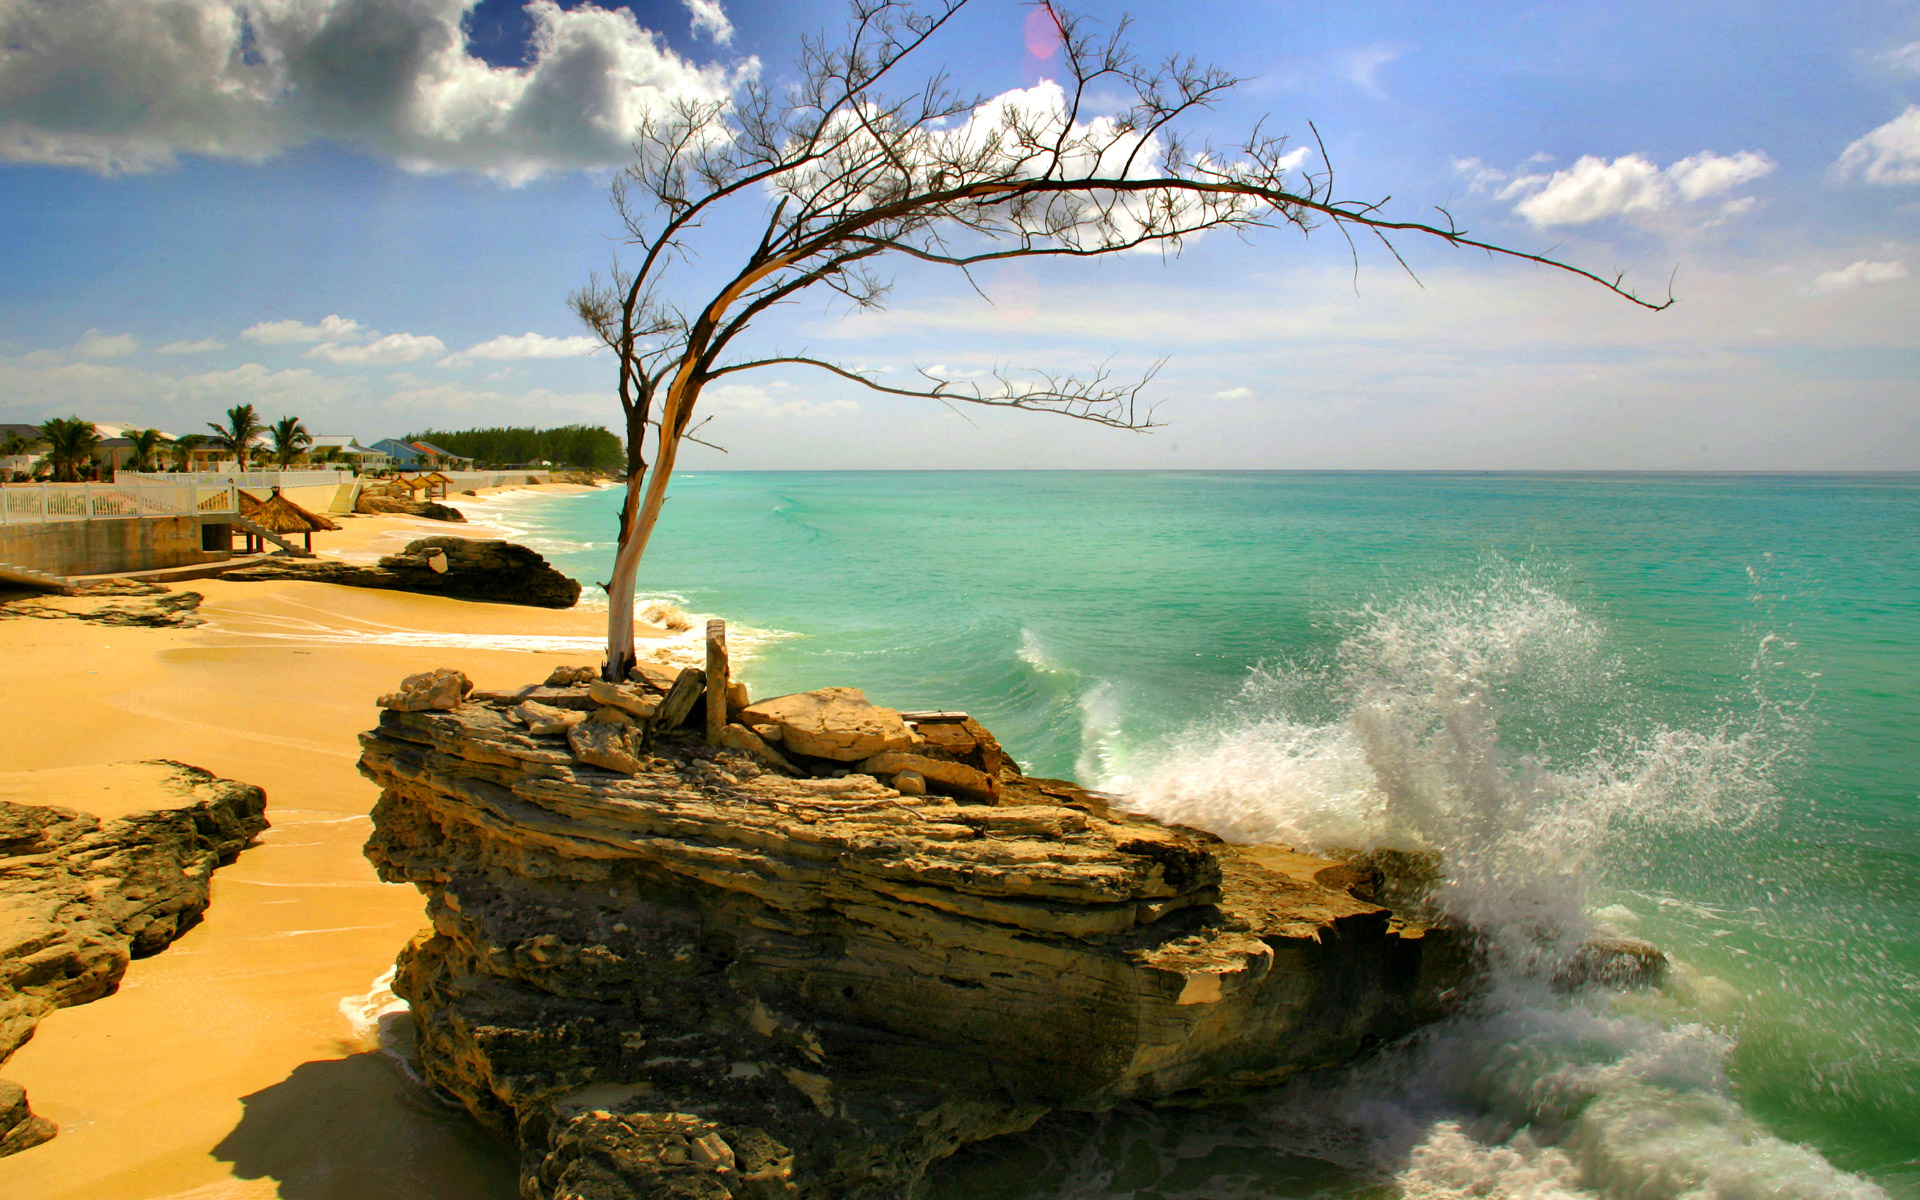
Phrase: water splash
pixel 1485 725
pixel 1490 727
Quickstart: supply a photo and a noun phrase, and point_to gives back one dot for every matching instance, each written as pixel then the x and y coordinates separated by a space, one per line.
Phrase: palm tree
pixel 236 436
pixel 183 448
pixel 290 437
pixel 146 445
pixel 71 442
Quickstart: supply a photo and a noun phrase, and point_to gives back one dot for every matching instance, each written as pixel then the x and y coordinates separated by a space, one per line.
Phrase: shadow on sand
pixel 356 1128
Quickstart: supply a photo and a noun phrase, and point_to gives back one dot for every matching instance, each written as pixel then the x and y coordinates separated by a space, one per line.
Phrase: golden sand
pixel 226 1066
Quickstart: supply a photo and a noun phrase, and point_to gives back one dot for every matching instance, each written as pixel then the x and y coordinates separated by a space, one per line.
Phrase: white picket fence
pixel 43 503
pixel 253 481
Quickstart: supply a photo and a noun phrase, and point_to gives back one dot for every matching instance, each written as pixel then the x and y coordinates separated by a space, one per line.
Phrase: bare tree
pixel 853 164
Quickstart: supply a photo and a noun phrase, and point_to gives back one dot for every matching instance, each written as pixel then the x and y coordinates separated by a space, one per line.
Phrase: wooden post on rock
pixel 718 678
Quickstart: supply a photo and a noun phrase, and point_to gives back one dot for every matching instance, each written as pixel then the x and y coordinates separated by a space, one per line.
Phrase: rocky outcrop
pixel 701 977
pixel 371 504
pixel 99 866
pixel 460 568
pixel 118 603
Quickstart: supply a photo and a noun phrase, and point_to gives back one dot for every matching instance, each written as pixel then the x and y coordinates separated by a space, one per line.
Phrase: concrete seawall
pixel 104 546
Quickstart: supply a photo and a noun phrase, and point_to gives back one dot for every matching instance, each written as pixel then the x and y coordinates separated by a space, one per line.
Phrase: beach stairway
pixel 39 581
pixel 343 498
pixel 261 531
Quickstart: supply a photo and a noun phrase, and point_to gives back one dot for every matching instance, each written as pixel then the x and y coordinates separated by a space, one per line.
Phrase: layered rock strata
pixel 98 866
pixel 709 979
pixel 460 568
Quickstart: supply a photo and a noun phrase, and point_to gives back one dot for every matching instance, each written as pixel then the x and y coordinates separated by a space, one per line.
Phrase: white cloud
pixel 1889 154
pixel 711 19
pixel 1234 393
pixel 203 346
pixel 128 85
pixel 1632 185
pixel 393 348
pixel 95 344
pixel 1854 275
pixel 1902 58
pixel 1361 67
pixel 526 345
pixel 284 333
pixel 1707 175
pixel 747 399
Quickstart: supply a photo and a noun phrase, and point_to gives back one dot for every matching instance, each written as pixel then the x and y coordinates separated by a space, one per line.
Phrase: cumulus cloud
pixel 95 344
pixel 709 18
pixel 285 333
pixel 1853 275
pixel 393 348
pixel 128 85
pixel 526 345
pixel 202 346
pixel 1234 393
pixel 1887 155
pixel 1595 189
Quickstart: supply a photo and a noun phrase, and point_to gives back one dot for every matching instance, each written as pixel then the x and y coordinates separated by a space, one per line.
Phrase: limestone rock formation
pixel 100 865
pixel 442 688
pixel 707 979
pixel 119 603
pixel 835 723
pixel 501 572
pixel 368 503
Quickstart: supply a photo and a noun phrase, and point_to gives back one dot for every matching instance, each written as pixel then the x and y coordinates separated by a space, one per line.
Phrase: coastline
pixel 231 1066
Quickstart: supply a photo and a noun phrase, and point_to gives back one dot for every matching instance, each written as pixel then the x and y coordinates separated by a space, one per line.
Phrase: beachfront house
pixel 402 456
pixel 349 449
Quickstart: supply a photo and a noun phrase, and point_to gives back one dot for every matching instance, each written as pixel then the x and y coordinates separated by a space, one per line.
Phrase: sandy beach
pixel 232 1065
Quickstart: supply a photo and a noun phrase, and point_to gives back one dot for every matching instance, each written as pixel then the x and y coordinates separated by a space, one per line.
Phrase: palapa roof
pixel 282 515
pixel 436 477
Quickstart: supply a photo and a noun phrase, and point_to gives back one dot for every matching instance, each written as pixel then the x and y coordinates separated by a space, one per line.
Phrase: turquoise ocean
pixel 1682 707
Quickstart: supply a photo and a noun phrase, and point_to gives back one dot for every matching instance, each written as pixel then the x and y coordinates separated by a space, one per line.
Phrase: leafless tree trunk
pixel 850 165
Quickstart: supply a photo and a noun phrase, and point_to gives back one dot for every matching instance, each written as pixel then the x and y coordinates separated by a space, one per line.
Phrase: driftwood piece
pixel 679 702
pixel 718 678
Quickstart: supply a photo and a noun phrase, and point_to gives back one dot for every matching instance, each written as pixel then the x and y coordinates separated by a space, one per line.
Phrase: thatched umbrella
pixel 437 479
pixel 282 515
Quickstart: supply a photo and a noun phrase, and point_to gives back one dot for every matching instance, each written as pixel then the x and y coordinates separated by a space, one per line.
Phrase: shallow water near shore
pixel 1679 707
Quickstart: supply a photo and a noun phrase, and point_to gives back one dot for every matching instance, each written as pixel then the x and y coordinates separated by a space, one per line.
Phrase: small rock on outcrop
pixel 442 688
pixel 606 740
pixel 947 778
pixel 543 720
pixel 836 723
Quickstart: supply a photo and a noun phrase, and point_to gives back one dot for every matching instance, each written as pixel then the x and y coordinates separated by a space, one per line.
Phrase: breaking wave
pixel 1490 729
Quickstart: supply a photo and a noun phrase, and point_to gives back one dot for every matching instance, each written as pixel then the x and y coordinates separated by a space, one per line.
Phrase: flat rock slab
pixel 835 723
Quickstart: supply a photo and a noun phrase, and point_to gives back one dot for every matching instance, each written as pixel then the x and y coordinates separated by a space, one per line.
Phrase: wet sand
pixel 226 1065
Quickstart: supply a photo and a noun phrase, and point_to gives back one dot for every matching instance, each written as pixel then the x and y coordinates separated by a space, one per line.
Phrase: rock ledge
pixel 708 979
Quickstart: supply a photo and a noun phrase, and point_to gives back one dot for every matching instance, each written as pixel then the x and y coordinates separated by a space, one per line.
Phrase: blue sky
pixel 368 213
